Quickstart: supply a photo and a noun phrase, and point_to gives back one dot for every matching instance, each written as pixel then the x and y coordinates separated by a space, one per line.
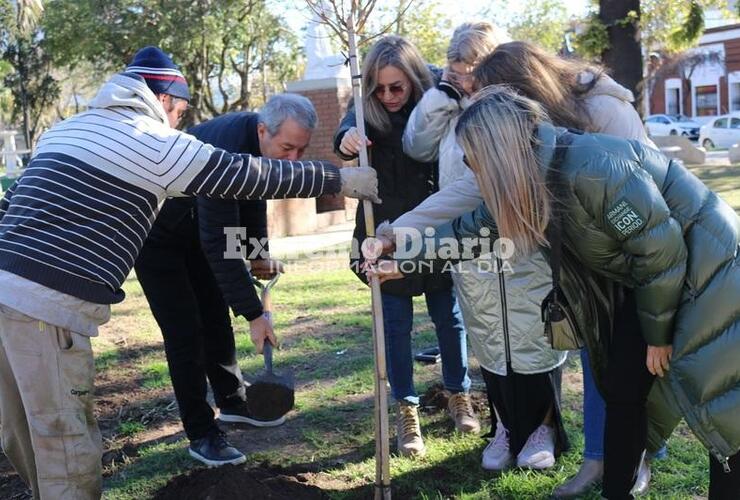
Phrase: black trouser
pixel 198 339
pixel 522 402
pixel 724 485
pixel 627 384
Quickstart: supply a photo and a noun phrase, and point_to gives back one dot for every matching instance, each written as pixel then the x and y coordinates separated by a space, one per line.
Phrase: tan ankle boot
pixel 408 431
pixel 461 411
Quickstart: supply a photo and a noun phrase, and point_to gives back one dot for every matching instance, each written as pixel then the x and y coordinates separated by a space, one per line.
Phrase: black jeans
pixel 626 386
pixel 724 485
pixel 522 402
pixel 198 339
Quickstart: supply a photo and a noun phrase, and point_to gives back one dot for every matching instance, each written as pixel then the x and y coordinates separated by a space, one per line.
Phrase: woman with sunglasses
pixel 394 77
pixel 651 271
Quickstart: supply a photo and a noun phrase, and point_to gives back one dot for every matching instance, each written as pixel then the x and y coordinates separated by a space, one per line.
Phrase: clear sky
pixel 297 14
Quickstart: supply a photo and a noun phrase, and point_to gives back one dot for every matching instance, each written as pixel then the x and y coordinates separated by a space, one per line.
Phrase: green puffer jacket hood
pixel 634 218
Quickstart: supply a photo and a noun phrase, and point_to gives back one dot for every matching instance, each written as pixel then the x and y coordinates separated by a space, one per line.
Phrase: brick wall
pixel 293 217
pixel 657 97
pixel 732 55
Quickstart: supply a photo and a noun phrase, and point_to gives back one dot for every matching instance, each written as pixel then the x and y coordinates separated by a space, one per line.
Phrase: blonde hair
pixel 553 81
pixel 498 133
pixel 393 51
pixel 472 41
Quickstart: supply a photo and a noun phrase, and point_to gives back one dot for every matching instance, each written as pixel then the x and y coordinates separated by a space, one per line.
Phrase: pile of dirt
pixel 237 482
pixel 435 399
pixel 13 488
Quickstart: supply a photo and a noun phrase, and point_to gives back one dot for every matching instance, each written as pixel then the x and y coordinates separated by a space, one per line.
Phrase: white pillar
pixel 10 152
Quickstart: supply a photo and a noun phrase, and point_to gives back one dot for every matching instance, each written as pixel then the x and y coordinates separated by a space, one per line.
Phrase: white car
pixel 720 132
pixel 658 125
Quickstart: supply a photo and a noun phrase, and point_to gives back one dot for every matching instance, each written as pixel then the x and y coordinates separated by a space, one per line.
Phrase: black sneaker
pixel 240 414
pixel 214 451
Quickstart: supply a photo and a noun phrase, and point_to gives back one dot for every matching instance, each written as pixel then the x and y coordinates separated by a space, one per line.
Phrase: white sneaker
pixel 539 450
pixel 496 456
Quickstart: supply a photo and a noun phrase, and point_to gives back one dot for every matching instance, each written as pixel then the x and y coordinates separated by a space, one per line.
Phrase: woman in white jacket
pixel 576 95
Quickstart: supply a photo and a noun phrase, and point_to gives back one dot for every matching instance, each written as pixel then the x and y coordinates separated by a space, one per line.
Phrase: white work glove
pixel 360 182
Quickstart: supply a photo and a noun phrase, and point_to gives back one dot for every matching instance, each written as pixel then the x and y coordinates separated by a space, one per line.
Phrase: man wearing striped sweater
pixel 70 230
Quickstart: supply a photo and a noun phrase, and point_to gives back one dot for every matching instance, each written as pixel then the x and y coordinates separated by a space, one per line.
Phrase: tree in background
pixel 234 53
pixel 623 54
pixel 625 31
pixel 427 25
pixel 6 96
pixel 543 22
pixel 22 47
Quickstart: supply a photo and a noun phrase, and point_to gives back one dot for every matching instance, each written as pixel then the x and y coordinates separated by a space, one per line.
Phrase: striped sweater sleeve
pixel 243 176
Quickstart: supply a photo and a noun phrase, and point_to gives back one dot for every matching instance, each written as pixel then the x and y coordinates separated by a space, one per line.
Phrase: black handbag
pixel 561 327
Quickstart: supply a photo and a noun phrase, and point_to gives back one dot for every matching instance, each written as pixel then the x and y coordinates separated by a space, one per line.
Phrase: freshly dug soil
pixel 435 399
pixel 236 482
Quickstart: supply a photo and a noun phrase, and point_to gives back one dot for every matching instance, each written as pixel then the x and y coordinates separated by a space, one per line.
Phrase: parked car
pixel 720 132
pixel 658 125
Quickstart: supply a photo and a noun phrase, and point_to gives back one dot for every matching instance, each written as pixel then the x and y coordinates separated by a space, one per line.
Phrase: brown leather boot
pixel 461 411
pixel 408 431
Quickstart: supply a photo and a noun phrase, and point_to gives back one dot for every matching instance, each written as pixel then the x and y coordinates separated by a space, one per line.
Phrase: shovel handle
pixel 265 292
pixel 267 308
pixel 267 353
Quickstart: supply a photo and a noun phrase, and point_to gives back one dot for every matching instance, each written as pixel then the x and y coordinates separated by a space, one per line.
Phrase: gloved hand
pixel 360 182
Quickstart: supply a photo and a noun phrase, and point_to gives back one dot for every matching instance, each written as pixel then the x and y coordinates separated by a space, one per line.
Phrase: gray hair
pixel 471 42
pixel 280 107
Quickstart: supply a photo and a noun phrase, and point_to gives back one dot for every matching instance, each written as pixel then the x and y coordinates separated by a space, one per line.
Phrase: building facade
pixel 702 82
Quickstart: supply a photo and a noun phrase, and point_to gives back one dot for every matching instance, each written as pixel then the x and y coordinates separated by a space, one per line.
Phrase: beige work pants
pixel 49 432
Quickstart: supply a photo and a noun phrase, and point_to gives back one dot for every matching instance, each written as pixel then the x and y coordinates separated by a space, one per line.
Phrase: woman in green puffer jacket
pixel 651 270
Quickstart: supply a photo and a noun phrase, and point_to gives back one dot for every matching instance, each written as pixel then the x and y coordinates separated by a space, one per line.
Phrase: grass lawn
pixel 322 317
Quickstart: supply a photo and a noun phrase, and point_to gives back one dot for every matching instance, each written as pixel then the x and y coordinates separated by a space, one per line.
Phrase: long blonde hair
pixel 553 81
pixel 497 134
pixel 473 40
pixel 393 51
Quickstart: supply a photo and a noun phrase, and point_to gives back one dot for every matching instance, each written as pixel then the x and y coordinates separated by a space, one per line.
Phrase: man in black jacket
pixel 188 280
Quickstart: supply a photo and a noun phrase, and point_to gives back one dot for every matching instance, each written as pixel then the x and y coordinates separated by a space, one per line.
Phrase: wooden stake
pixel 382 452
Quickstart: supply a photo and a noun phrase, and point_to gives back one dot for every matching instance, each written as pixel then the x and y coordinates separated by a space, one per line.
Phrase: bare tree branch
pixel 336 13
pixel 221 70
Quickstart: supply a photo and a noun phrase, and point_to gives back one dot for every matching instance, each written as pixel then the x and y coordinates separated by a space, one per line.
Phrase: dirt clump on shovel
pixel 237 482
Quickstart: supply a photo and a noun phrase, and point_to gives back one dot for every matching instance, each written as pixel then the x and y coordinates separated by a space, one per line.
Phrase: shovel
pixel 272 394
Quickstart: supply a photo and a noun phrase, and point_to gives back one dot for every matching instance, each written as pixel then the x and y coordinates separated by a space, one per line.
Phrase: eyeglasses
pixel 396 90
pixel 459 77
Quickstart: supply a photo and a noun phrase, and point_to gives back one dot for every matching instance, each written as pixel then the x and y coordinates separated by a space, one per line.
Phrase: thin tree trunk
pixel 21 66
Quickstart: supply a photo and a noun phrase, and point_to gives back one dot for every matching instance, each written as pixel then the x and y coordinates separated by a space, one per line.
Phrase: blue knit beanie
pixel 161 75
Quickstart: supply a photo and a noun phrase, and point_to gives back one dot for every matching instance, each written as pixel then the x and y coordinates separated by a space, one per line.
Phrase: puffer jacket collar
pixel 129 90
pixel 546 141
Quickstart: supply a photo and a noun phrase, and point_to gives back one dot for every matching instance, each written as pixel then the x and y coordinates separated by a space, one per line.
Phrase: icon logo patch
pixel 625 218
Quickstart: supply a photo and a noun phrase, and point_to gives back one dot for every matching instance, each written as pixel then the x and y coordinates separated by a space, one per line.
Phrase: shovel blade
pixel 270 397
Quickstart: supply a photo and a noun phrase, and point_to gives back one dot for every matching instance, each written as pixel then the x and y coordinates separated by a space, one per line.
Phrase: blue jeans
pixel 594 415
pixel 398 315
